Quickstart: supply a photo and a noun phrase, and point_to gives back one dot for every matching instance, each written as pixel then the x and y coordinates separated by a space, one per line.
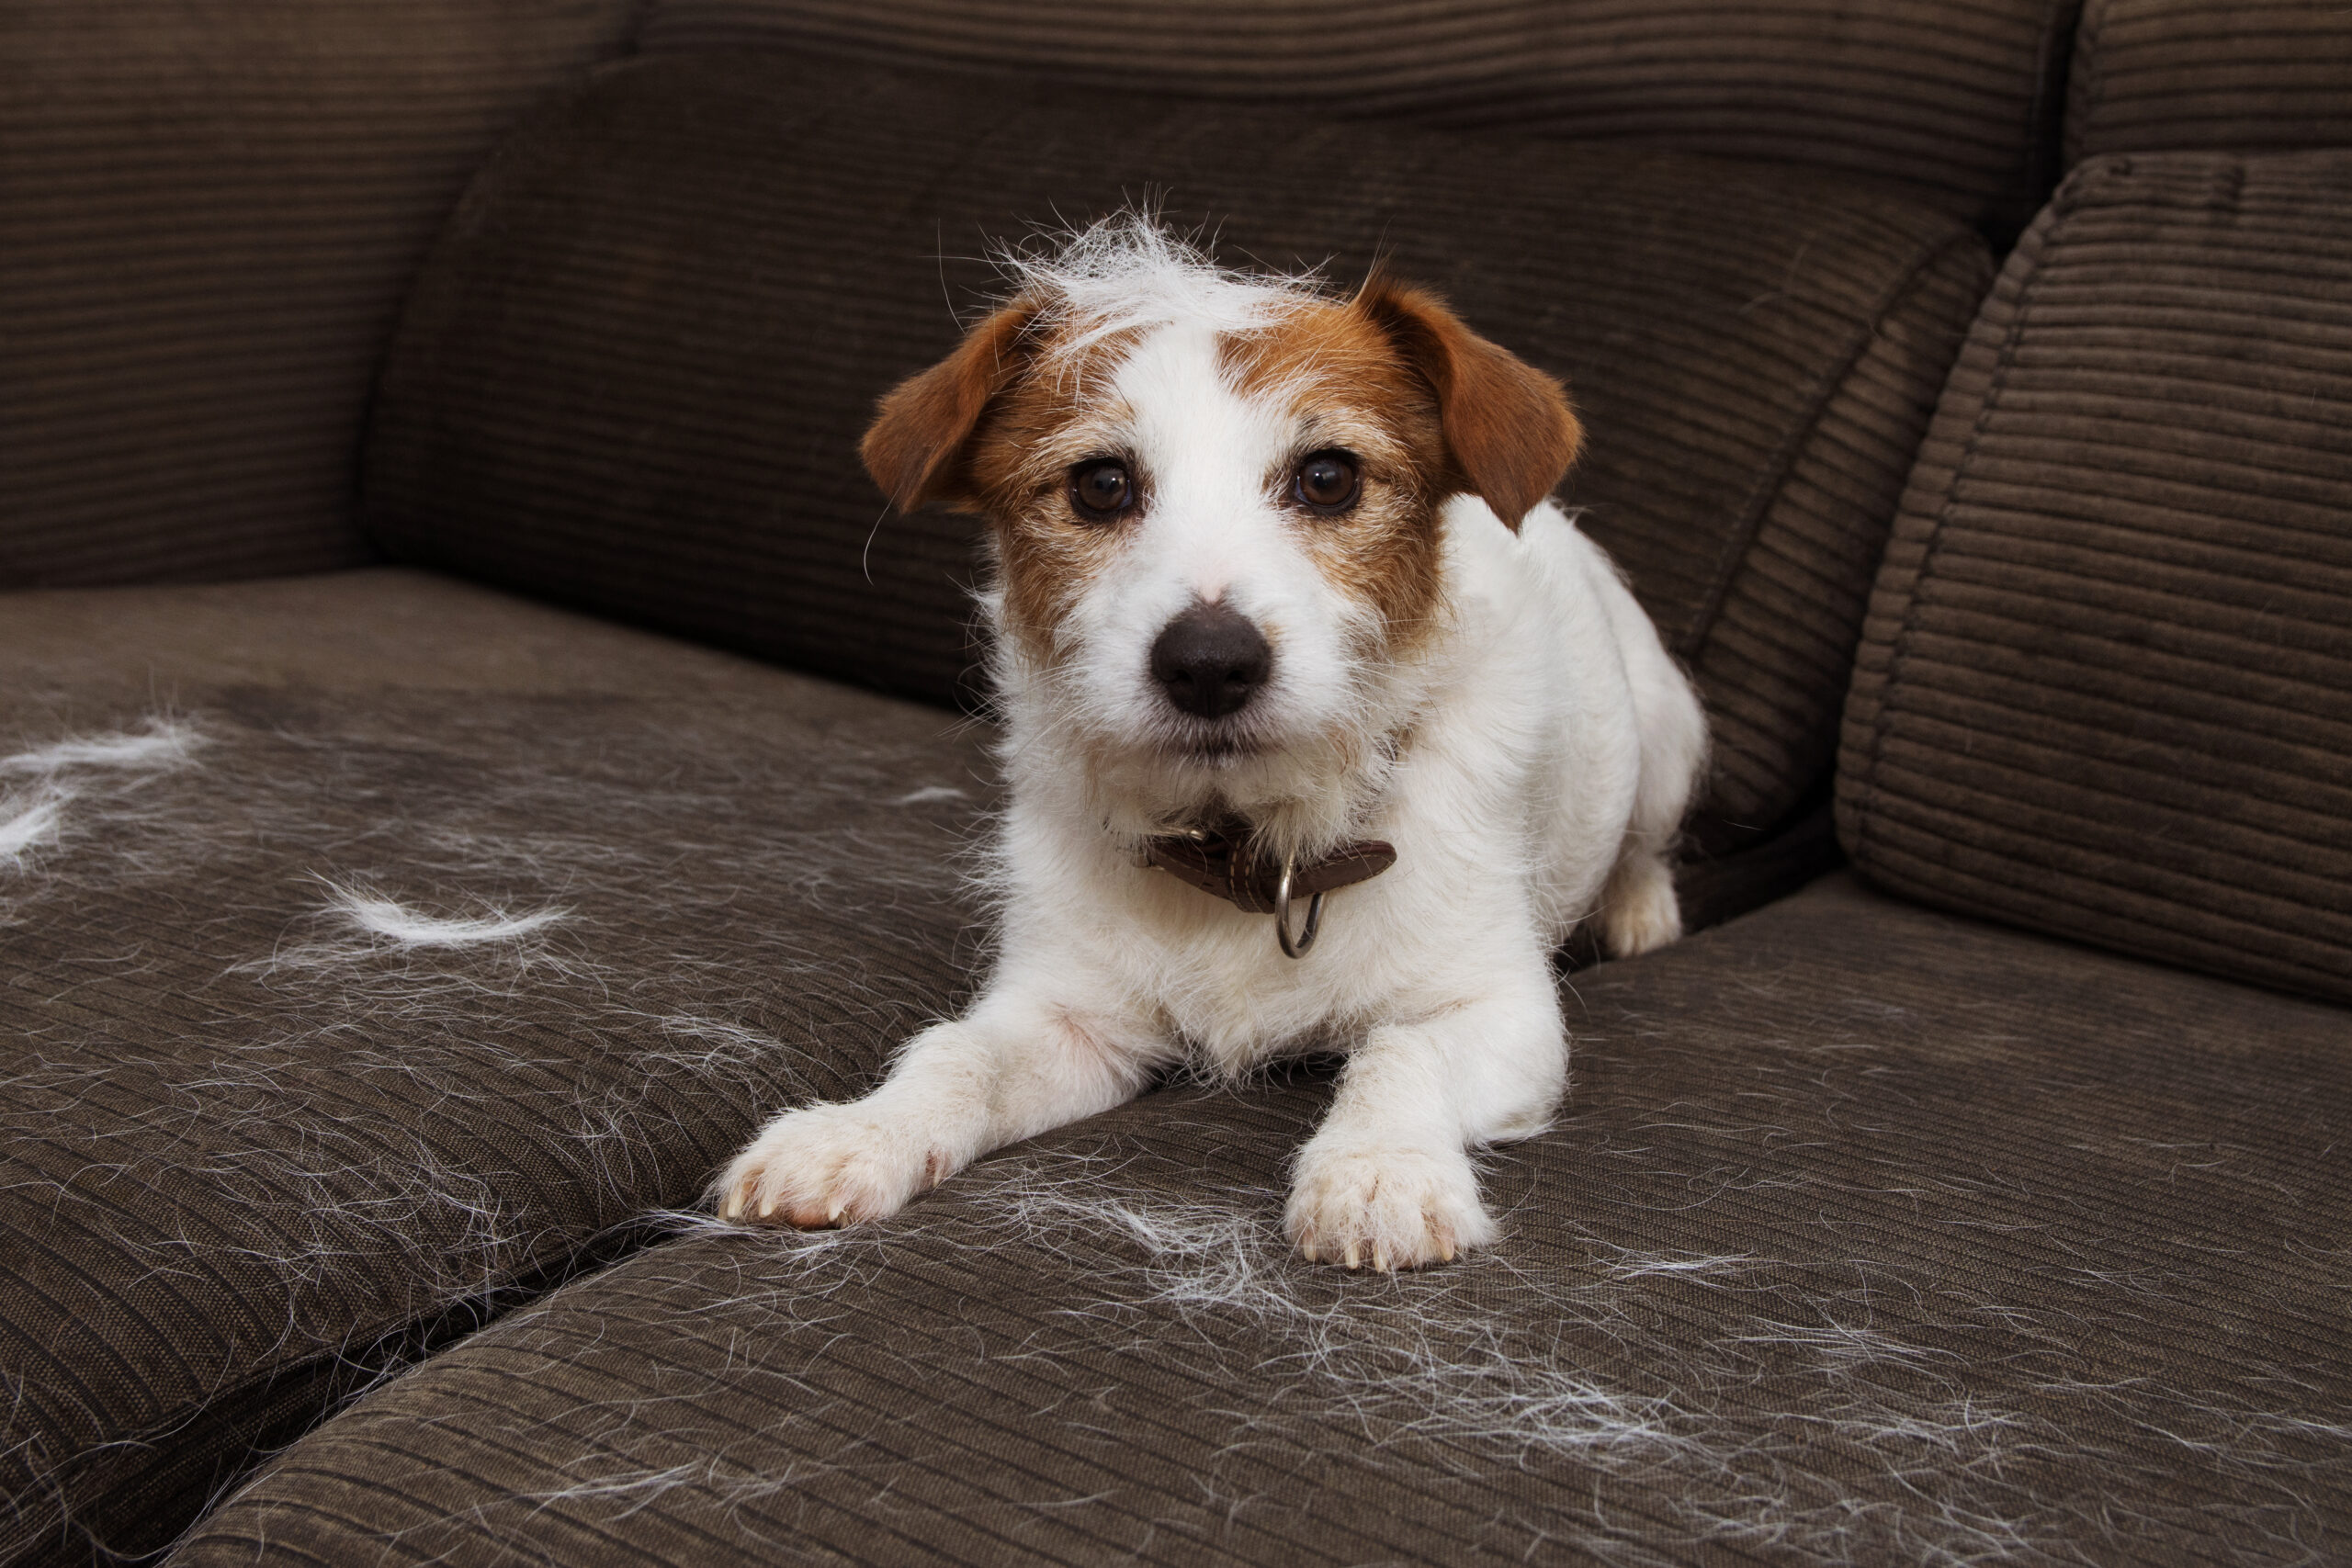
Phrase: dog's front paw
pixel 1394 1208
pixel 827 1165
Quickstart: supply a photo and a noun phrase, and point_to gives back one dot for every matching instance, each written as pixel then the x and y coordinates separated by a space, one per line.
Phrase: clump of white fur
pixel 35 816
pixel 378 916
pixel 168 743
pixel 30 819
pixel 1128 274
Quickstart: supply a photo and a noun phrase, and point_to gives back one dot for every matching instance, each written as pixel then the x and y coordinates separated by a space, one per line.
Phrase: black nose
pixel 1211 660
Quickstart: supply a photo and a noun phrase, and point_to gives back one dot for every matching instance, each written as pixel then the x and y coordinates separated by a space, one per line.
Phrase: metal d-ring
pixel 1296 949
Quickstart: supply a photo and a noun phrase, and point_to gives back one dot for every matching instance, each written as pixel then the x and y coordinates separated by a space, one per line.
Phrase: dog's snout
pixel 1211 660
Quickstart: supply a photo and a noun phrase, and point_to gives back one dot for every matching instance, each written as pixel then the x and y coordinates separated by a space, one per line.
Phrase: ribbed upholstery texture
pixel 210 210
pixel 633 374
pixel 1958 98
pixel 2209 75
pixel 266 1128
pixel 1870 1235
pixel 2106 685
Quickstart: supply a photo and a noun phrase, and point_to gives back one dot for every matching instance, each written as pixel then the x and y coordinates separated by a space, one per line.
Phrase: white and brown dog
pixel 1279 601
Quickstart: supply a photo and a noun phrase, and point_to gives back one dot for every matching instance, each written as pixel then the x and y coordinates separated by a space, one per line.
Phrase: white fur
pixel 169 743
pixel 29 822
pixel 404 927
pixel 1530 762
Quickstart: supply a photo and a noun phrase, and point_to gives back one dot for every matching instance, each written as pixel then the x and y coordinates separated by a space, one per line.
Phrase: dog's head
pixel 1217 507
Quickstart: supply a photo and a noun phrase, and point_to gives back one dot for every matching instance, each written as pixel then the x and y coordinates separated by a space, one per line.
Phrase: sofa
pixel 473 745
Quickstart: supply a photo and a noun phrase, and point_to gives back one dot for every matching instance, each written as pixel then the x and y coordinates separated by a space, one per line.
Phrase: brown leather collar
pixel 1219 861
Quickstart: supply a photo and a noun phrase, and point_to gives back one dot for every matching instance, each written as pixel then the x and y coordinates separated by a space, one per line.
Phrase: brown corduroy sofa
pixel 472 744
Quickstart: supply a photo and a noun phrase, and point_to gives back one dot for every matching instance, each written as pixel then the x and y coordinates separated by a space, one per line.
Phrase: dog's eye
pixel 1101 489
pixel 1328 482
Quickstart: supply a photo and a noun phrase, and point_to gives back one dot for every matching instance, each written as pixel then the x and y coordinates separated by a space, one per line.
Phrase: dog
pixel 1281 617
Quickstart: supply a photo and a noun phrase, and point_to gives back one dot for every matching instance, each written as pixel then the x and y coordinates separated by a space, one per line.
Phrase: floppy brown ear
pixel 915 446
pixel 1508 426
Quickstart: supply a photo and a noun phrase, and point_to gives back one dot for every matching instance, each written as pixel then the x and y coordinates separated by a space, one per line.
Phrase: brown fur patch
pixel 918 445
pixel 1343 383
pixel 1510 431
pixel 1042 426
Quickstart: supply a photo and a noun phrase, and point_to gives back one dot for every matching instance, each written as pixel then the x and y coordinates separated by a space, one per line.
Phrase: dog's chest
pixel 1220 983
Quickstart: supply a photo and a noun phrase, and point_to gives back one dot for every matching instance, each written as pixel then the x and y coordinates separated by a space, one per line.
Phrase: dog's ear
pixel 1510 434
pixel 915 446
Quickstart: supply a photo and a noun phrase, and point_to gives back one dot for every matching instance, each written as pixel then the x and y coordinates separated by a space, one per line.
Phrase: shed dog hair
pixel 1276 566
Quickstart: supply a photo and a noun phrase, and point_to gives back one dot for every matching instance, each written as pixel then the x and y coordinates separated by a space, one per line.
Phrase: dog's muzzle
pixel 1220 861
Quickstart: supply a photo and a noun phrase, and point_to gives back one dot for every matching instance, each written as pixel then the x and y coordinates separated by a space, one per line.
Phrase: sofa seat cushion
pixel 376 945
pixel 1869 1234
pixel 634 372
pixel 1957 98
pixel 2209 75
pixel 2106 685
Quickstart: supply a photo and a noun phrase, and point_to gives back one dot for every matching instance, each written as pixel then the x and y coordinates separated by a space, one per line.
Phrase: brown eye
pixel 1328 482
pixel 1100 491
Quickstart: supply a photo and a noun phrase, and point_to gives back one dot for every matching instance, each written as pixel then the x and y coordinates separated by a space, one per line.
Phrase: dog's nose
pixel 1211 660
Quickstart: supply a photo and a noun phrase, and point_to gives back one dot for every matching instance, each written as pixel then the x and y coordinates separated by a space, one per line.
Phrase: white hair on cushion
pixel 435 920
pixel 30 819
pixel 1457 1374
pixel 64 771
pixel 168 743
pixel 380 916
pixel 927 794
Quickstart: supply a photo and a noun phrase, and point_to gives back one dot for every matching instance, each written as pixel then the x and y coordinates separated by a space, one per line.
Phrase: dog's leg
pixel 1387 1180
pixel 1018 1064
pixel 1639 909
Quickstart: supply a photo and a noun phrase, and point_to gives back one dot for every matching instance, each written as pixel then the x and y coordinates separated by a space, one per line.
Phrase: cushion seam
pixel 1899 646
pixel 1773 482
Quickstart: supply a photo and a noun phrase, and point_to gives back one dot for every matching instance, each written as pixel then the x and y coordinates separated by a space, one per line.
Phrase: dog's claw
pixel 1307 1251
pixel 734 1209
pixel 1445 1249
pixel 1348 1257
pixel 767 1207
pixel 1380 1257
pixel 833 1214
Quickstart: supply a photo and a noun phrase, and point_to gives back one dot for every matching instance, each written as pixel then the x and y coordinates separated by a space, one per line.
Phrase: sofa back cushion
pixel 1958 98
pixel 209 210
pixel 2106 685
pixel 634 373
pixel 2209 75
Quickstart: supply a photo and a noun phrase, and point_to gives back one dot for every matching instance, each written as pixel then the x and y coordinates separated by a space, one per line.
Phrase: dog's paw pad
pixel 1386 1209
pixel 826 1165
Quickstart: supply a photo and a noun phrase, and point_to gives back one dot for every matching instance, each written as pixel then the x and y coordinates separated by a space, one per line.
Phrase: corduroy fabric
pixel 2209 75
pixel 1958 98
pixel 254 1151
pixel 210 210
pixel 1870 1234
pixel 2106 685
pixel 633 374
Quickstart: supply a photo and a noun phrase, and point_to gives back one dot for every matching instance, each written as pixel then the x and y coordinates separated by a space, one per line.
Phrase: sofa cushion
pixel 2209 75
pixel 1870 1235
pixel 211 207
pixel 1958 98
pixel 376 945
pixel 2106 686
pixel 633 374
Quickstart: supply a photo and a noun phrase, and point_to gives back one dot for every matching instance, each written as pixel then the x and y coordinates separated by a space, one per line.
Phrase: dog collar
pixel 1219 861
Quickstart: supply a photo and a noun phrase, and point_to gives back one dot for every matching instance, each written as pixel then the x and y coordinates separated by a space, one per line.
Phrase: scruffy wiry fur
pixel 1454 667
